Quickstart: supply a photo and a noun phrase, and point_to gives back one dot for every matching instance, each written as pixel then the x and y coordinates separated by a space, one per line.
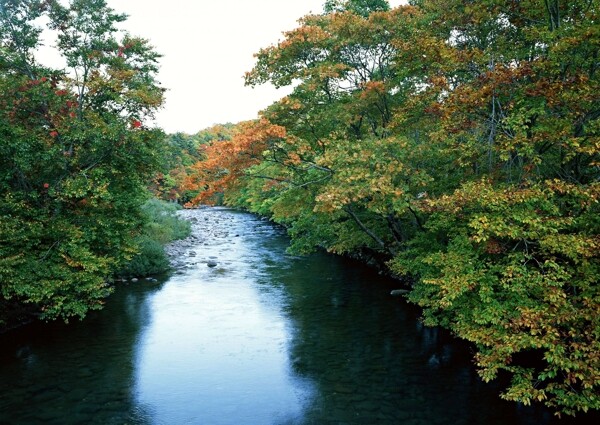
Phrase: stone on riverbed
pixel 212 264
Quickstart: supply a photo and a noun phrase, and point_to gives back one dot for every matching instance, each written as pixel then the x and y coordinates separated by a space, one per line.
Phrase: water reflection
pixel 217 348
pixel 371 363
pixel 81 373
pixel 262 338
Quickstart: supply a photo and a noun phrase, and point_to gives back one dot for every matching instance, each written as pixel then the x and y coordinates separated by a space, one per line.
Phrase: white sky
pixel 207 46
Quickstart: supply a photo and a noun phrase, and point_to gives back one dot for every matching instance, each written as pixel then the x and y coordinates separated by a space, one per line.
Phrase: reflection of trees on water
pixel 361 356
pixel 369 358
pixel 77 373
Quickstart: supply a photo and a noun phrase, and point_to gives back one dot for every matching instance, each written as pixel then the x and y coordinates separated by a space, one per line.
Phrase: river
pixel 261 338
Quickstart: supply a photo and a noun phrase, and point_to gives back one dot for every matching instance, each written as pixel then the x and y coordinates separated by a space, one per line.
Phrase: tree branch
pixel 368 231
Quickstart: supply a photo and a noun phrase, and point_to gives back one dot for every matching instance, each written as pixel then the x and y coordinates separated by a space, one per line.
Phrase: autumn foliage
pixel 460 141
pixel 227 160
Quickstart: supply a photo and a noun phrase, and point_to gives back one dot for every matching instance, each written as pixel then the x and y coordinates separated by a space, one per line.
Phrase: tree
pixel 75 155
pixel 360 7
pixel 458 141
pixel 227 160
pixel 338 121
pixel 509 256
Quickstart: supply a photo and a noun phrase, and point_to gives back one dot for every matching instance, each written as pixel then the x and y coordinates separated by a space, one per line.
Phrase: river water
pixel 262 338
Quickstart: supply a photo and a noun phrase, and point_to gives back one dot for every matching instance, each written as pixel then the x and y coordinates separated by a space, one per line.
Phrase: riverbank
pixel 187 253
pixel 320 336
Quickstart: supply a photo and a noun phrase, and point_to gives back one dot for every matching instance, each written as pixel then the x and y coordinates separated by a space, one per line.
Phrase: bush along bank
pixel 159 224
pixel 162 226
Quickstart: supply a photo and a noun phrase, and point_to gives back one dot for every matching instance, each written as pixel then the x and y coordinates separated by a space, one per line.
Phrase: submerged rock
pixel 212 264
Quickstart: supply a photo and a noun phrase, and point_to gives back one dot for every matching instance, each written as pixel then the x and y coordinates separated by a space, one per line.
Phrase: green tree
pixel 339 120
pixel 509 258
pixel 75 155
pixel 360 7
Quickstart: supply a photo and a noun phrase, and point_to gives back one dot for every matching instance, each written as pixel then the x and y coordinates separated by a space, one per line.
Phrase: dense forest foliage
pixel 75 154
pixel 181 152
pixel 459 141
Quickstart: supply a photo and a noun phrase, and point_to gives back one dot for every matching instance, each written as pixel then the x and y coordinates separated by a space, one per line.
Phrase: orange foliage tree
pixel 226 161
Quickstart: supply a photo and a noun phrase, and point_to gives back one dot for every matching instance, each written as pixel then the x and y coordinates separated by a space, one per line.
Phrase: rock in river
pixel 212 264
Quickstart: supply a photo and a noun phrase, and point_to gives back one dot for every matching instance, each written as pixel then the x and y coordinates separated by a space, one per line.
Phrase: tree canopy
pixel 75 153
pixel 360 7
pixel 458 141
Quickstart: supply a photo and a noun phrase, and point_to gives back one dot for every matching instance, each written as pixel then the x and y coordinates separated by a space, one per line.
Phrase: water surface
pixel 262 338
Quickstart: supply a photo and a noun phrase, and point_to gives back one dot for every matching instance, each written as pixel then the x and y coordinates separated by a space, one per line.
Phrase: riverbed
pixel 243 333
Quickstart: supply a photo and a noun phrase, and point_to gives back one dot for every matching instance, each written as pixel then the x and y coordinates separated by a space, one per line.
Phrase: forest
pixel 454 143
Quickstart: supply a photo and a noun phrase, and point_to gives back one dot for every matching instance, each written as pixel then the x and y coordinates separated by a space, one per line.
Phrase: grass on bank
pixel 162 226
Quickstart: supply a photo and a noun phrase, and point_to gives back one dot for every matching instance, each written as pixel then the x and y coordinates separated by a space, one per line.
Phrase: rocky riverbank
pixel 209 227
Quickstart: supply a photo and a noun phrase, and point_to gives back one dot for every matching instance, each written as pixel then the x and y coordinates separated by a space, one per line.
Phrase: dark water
pixel 263 338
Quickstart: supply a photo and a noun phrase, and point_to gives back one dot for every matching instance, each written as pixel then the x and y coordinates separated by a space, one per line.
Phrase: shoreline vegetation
pixel 76 158
pixel 455 145
pixel 162 226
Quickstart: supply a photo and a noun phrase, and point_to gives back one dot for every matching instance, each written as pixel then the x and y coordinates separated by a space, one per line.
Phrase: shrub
pixel 162 226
